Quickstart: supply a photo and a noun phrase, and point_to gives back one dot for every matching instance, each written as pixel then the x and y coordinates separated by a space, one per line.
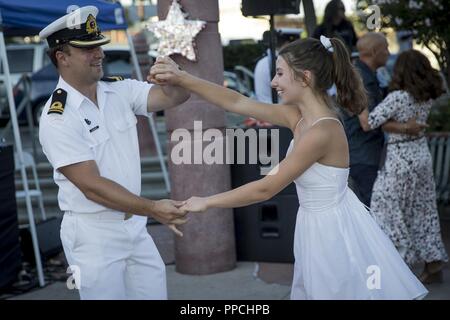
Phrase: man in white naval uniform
pixel 88 133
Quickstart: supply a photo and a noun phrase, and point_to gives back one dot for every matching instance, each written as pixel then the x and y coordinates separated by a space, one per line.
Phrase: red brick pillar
pixel 208 244
pixel 146 140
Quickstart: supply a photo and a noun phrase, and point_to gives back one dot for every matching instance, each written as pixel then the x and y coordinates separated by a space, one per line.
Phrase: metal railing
pixel 439 143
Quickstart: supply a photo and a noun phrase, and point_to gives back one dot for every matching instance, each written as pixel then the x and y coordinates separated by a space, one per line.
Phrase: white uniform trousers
pixel 114 258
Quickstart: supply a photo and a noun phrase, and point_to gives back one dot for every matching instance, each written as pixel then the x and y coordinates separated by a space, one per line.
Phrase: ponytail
pixel 330 63
pixel 351 94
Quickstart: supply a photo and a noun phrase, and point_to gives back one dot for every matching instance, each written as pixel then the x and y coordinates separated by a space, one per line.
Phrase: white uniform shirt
pixel 106 134
pixel 262 76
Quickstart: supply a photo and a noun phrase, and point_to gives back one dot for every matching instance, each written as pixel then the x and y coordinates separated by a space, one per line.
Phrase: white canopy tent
pixel 28 17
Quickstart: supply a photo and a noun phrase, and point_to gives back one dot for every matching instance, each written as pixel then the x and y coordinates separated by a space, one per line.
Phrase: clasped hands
pixel 174 213
pixel 165 71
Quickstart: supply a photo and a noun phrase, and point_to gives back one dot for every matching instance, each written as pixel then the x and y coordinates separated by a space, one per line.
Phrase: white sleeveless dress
pixel 340 251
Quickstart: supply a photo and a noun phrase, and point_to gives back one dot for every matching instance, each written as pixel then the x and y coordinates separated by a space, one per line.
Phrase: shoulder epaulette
pixel 59 97
pixel 112 79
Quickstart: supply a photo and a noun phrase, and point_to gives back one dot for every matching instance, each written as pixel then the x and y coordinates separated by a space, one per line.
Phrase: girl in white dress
pixel 340 252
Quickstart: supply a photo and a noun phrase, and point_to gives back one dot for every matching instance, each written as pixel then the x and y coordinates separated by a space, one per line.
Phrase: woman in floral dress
pixel 403 198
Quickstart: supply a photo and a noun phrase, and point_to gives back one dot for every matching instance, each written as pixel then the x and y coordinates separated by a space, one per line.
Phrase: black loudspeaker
pixel 248 172
pixel 49 240
pixel 265 231
pixel 10 255
pixel 269 7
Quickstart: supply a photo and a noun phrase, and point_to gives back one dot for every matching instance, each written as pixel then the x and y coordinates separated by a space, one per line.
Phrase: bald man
pixel 366 148
pixel 373 50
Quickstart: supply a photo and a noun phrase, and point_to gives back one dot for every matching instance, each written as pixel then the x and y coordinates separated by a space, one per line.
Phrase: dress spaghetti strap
pixel 326 118
pixel 298 123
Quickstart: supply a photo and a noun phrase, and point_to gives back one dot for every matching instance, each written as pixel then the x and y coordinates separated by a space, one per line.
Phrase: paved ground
pixel 248 280
pixel 237 284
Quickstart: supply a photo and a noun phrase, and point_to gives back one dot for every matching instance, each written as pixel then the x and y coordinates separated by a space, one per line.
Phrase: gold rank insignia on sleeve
pixel 112 79
pixel 59 97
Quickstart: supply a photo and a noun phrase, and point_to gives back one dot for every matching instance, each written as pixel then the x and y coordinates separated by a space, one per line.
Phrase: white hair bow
pixel 326 42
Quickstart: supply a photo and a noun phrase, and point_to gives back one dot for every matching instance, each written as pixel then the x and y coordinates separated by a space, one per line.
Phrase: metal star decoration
pixel 176 34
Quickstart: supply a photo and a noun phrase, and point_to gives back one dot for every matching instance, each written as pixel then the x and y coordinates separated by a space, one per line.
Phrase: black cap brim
pixel 101 40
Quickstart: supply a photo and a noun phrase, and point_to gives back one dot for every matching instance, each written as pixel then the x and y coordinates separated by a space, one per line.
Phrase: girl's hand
pixel 195 204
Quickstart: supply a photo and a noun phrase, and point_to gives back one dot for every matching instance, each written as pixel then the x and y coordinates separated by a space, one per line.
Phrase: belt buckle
pixel 128 216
